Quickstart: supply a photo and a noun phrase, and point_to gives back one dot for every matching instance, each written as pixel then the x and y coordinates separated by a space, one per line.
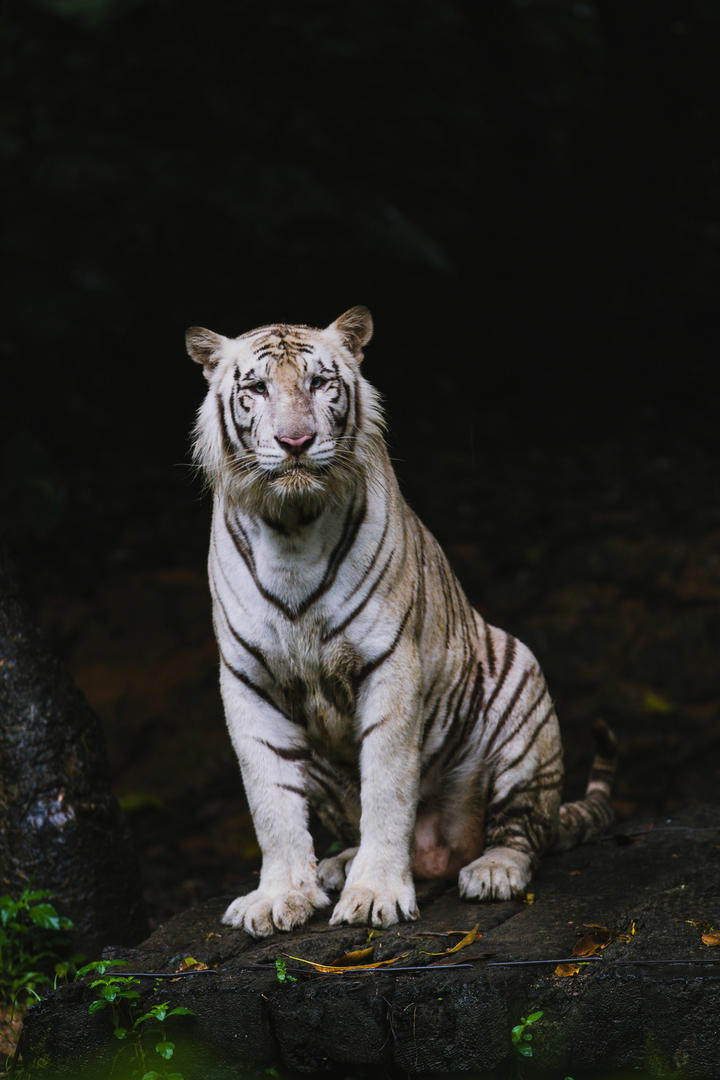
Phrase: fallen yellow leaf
pixel 339 969
pixel 713 938
pixel 189 963
pixel 471 936
pixel 702 924
pixel 349 958
pixel 628 935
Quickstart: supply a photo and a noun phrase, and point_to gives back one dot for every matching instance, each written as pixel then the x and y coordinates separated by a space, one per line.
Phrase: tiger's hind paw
pixel 332 871
pixel 501 873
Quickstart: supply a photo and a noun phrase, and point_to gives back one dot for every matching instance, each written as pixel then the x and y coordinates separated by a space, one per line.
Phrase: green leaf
pixel 165 1049
pixel 28 898
pixel 46 916
pixel 100 966
pixel 120 1032
pixel 151 1076
pixel 96 1006
pixel 526 1051
pixel 8 909
pixel 180 1010
pixel 533 1017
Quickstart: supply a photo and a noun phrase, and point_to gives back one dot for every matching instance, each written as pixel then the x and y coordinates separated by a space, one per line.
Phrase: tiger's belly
pixel 433 856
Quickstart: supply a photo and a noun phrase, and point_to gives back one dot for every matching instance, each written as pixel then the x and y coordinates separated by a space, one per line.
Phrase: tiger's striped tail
pixel 579 821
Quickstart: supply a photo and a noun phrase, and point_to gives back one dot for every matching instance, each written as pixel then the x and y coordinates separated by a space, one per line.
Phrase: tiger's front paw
pixel 262 912
pixel 500 874
pixel 381 906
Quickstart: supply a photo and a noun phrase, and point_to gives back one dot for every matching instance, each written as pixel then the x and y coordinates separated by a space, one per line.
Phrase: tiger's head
pixel 288 420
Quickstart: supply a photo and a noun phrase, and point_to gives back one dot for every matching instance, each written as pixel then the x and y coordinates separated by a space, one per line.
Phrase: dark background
pixel 524 193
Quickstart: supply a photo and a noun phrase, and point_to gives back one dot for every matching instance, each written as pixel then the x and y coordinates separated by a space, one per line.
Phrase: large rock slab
pixel 650 998
pixel 62 828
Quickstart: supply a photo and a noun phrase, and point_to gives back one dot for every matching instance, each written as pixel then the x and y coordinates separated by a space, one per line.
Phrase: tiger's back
pixel 355 675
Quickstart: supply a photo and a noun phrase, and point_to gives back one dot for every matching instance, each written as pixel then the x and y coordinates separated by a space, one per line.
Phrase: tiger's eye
pixel 317 381
pixel 259 387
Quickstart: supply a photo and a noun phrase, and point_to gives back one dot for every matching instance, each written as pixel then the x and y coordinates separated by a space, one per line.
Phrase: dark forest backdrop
pixel 524 192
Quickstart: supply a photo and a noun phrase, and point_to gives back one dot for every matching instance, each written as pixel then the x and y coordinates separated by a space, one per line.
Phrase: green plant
pixel 120 995
pixel 164 1047
pixel 521 1035
pixel 113 991
pixel 282 973
pixel 32 942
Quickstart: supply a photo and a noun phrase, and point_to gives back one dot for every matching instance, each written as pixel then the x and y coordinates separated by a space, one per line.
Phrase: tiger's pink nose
pixel 295 444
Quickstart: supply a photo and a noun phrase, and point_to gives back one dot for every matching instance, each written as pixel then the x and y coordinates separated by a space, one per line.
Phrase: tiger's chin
pixel 296 491
pixel 299 488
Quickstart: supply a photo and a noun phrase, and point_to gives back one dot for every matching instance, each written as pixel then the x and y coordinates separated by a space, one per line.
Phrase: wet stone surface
pixel 650 998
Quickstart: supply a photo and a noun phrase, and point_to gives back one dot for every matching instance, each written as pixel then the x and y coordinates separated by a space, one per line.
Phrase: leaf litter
pixel 348 962
pixel 592 939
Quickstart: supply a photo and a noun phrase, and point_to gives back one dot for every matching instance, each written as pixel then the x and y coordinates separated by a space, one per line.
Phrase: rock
pixel 62 828
pixel 650 998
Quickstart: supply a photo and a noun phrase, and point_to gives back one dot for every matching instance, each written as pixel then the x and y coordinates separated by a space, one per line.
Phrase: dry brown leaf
pixel 711 938
pixel 596 938
pixel 565 969
pixel 702 924
pixel 471 936
pixel 339 969
pixel 189 963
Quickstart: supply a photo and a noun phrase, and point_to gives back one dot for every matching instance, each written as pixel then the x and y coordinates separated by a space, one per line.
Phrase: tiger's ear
pixel 355 328
pixel 204 347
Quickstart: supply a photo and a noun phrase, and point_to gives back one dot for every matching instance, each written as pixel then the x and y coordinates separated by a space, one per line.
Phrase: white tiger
pixel 355 675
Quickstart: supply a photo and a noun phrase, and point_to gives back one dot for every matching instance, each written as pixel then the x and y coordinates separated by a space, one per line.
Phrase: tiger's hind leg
pixel 522 751
pixel 334 795
pixel 333 870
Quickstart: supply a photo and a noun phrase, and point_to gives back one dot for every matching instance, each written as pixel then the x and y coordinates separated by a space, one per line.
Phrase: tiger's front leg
pixel 379 886
pixel 271 753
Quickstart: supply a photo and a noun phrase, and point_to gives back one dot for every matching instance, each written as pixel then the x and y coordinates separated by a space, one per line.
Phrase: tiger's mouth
pixel 298 476
pixel 296 468
pixel 294 481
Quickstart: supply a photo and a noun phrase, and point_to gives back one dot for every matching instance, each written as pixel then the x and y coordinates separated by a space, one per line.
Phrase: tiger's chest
pixel 318 683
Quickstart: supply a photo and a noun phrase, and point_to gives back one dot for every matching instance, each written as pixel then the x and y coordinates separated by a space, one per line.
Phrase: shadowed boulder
pixel 649 998
pixel 62 828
